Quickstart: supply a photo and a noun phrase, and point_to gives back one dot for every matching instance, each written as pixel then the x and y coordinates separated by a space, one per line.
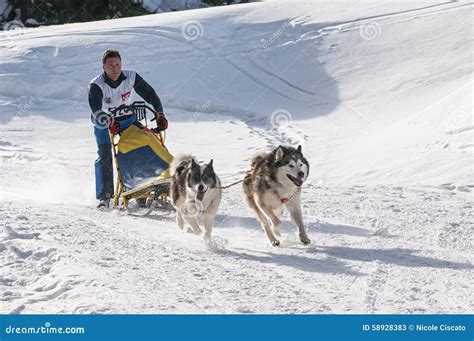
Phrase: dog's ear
pixel 280 153
pixel 210 164
pixel 299 149
pixel 194 164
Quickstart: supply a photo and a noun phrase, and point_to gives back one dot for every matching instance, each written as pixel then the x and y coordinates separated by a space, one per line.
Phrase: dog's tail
pixel 180 162
pixel 258 159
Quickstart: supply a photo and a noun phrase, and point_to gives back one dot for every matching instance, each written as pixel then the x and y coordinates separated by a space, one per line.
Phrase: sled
pixel 141 159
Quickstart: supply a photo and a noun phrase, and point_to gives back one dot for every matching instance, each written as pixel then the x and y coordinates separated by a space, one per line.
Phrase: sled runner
pixel 141 159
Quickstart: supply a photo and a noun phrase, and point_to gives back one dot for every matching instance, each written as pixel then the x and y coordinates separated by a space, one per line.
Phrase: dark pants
pixel 104 172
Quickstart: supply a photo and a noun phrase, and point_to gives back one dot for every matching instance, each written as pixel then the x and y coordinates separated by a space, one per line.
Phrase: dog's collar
pixel 284 200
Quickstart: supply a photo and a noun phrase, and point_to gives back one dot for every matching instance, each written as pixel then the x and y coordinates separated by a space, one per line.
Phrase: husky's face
pixel 201 178
pixel 292 167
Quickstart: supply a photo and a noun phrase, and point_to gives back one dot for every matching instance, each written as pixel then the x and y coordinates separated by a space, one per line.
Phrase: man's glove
pixel 161 122
pixel 114 127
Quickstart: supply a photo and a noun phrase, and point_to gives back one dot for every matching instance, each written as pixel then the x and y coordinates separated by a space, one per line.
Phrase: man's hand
pixel 161 122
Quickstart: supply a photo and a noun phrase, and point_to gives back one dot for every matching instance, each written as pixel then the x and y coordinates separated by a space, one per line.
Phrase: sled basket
pixel 141 157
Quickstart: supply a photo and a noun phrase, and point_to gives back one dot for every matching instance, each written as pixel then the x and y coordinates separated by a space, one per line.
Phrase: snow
pixel 380 96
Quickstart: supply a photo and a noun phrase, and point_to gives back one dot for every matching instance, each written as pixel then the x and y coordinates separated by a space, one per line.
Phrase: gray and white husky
pixel 275 183
pixel 195 192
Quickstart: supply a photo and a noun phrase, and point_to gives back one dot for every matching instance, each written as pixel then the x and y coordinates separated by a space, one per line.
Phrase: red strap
pixel 284 200
pixel 158 136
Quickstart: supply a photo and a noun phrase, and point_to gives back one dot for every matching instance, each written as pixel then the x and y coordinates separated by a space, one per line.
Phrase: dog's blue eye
pixel 291 166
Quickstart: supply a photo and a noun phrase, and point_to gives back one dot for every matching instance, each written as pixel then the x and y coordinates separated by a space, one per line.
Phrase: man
pixel 109 90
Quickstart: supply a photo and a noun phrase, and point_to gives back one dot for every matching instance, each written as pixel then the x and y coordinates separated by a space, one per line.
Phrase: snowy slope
pixel 380 95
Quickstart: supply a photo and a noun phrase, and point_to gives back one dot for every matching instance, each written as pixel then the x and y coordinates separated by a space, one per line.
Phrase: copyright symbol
pixel 192 209
pixel 192 30
pixel 102 119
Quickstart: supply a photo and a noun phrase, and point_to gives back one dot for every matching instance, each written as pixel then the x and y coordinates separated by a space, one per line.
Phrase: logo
pixel 126 96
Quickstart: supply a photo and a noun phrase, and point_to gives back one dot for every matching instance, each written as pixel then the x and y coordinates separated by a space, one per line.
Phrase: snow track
pixel 365 257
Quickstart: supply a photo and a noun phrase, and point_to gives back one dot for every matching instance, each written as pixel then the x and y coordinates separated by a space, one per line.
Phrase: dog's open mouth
pixel 296 181
pixel 200 195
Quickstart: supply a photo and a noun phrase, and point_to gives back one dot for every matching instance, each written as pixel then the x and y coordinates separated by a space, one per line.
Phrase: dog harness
pixel 251 172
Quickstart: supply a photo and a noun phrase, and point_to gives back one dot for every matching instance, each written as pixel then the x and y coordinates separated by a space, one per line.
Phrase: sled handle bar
pixel 137 108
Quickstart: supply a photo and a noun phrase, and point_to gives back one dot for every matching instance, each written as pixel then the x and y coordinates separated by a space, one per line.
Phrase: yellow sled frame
pixel 146 191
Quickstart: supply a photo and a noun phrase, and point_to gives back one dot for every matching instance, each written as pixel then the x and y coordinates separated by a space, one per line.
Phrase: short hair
pixel 110 54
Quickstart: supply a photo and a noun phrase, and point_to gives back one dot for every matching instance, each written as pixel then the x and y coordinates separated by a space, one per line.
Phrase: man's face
pixel 113 68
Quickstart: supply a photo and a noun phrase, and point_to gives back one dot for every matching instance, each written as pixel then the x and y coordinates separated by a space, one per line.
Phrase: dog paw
pixel 276 243
pixel 305 240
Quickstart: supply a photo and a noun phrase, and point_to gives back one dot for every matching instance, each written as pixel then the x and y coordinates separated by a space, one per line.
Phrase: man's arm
pixel 95 99
pixel 147 93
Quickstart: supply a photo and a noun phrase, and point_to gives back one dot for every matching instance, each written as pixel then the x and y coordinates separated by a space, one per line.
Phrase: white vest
pixel 113 98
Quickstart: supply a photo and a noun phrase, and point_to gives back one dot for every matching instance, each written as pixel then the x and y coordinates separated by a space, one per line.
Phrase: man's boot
pixel 104 202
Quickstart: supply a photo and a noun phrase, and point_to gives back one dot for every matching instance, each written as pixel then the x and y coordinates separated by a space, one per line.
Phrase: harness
pixel 251 174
